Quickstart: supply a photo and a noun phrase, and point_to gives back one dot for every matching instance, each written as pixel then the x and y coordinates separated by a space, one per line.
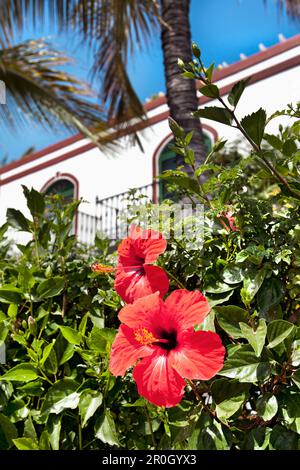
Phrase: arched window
pixel 62 186
pixel 169 160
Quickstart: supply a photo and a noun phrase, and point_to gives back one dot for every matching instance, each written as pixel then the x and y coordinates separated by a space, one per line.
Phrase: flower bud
pixel 196 51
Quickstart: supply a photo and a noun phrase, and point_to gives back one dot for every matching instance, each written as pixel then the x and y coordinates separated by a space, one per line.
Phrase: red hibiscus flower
pixel 162 335
pixel 230 219
pixel 136 276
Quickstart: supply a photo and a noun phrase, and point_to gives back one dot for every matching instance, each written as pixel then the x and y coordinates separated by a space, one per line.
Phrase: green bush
pixel 58 318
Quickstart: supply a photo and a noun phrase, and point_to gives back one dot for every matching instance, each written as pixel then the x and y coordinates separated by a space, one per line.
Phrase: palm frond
pixel 36 89
pixel 114 29
pixel 16 14
pixel 292 7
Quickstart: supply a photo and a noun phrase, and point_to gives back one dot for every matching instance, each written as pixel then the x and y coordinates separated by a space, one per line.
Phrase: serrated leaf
pixel 211 91
pixel 278 331
pixel 274 141
pixel 256 337
pixel 21 373
pixel 289 147
pixel 35 201
pixel 17 220
pixel 254 124
pixel 237 91
pixel 215 113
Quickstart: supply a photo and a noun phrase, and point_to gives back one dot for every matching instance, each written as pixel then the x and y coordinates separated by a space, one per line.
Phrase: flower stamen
pixel 144 336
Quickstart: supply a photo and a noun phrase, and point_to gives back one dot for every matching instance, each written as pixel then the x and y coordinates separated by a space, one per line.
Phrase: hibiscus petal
pixel 126 351
pixel 201 355
pixel 188 308
pixel 127 255
pixel 129 283
pixel 157 278
pixel 142 312
pixel 134 284
pixel 148 244
pixel 158 382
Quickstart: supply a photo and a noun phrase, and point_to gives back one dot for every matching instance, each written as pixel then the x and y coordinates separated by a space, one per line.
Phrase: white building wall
pixel 102 175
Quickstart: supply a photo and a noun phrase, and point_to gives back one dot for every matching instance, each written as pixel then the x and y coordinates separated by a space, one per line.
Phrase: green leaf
pixel 278 331
pixel 267 406
pixel 16 219
pixel 183 182
pixel 229 396
pixel 176 129
pixel 283 439
pixel 230 318
pixel 254 124
pixel 21 373
pixel 274 141
pixel 53 430
pixel 289 147
pixel 245 366
pixel 215 113
pixel 83 323
pixel 269 295
pixel 50 287
pixel 90 400
pixel 10 294
pixel 211 91
pixel 105 429
pixel 257 439
pixel 208 434
pixel 8 432
pixel 71 335
pixel 62 395
pixel 29 429
pixel 25 443
pixel 35 201
pixel 255 337
pixel 296 378
pixel 251 284
pixel 209 72
pixel 189 75
pixel 232 275
pixel 237 91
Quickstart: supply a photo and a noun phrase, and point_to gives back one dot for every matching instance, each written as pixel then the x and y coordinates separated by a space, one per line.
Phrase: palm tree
pixel 292 7
pixel 114 28
pixel 37 90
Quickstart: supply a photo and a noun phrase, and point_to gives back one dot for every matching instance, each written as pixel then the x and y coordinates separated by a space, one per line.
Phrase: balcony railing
pixel 108 221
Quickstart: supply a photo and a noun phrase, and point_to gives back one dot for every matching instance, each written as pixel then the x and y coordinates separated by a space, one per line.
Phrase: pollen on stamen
pixel 144 336
pixel 102 268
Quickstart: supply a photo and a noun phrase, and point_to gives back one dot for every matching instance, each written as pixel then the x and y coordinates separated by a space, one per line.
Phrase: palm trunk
pixel 181 93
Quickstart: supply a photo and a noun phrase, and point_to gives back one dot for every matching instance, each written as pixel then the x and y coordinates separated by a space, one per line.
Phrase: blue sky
pixel 222 28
